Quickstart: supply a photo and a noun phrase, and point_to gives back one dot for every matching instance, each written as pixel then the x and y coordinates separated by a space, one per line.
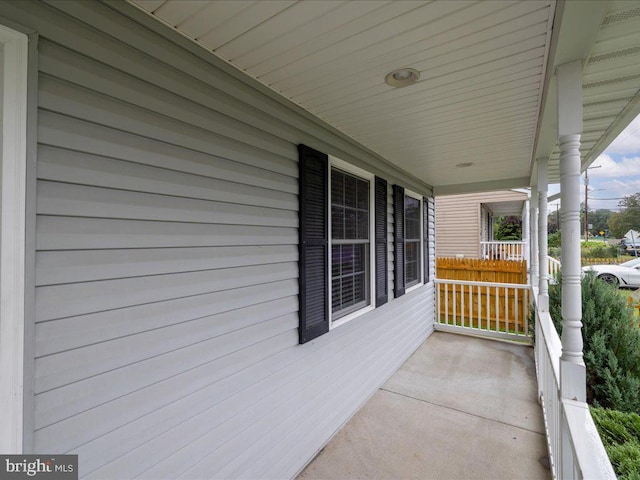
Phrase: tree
pixel 599 220
pixel 507 228
pixel 628 218
pixel 611 344
pixel 553 224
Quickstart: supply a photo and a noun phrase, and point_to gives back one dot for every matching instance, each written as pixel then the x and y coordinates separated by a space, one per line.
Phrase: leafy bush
pixel 597 250
pixel 554 239
pixel 611 344
pixel 620 433
pixel 555 252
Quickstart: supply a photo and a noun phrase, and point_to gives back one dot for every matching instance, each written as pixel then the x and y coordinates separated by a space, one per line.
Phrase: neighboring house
pixel 464 221
pixel 215 251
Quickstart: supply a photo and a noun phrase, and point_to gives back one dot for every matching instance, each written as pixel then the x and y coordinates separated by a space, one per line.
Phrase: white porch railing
pixel 496 250
pixel 575 447
pixel 499 310
pixel 554 267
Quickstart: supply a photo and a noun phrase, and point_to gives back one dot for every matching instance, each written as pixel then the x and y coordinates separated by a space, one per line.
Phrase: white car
pixel 626 274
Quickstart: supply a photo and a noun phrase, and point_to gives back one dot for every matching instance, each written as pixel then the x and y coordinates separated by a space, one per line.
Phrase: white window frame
pixel 417 196
pixel 13 162
pixel 363 174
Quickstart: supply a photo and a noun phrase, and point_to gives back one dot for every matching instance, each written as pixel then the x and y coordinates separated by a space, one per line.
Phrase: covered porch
pixel 460 407
pixel 178 134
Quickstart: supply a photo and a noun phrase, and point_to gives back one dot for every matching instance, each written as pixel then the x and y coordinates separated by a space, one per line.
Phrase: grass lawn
pixel 635 296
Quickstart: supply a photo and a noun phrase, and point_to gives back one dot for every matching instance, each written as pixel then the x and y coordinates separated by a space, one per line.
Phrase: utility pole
pixel 586 205
pixel 586 201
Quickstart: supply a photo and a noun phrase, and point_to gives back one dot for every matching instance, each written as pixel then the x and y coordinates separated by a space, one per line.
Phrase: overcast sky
pixel 619 172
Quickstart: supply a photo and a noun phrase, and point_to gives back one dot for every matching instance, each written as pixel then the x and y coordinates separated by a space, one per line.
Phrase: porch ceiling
pixel 500 209
pixel 483 65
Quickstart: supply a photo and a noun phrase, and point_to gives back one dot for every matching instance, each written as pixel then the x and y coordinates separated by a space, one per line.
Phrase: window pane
pixel 349 275
pixel 350 192
pixel 350 223
pixel 412 259
pixel 363 225
pixel 359 287
pixel 336 299
pixel 347 292
pixel 337 222
pixel 337 187
pixel 359 258
pixel 363 194
pixel 336 256
pixel 412 218
pixel 347 260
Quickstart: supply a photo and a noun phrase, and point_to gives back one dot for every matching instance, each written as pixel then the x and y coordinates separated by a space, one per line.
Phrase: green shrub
pixel 597 250
pixel 554 239
pixel 611 344
pixel 620 433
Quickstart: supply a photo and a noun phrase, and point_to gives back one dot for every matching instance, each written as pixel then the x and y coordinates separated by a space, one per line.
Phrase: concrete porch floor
pixel 458 408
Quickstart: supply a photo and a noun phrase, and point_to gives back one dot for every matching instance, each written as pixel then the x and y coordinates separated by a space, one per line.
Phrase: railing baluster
pixel 506 309
pixel 486 292
pixel 462 305
pixel 438 305
pixel 479 294
pixel 471 306
pixel 525 313
pixel 446 302
pixel 455 305
pixel 497 293
pixel 516 309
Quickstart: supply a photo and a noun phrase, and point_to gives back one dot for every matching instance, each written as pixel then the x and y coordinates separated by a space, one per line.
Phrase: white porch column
pixel 533 234
pixel 543 264
pixel 572 368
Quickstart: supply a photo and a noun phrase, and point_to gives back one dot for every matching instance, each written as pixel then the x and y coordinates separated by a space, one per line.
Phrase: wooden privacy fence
pixel 478 270
pixel 603 261
pixel 487 296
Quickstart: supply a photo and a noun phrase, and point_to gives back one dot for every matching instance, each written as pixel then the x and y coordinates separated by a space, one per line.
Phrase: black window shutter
pixel 425 237
pixel 398 240
pixel 381 241
pixel 313 243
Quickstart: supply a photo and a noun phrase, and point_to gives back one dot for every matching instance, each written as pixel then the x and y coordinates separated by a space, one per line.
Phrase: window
pixel 343 242
pixel 338 255
pixel 350 250
pixel 412 241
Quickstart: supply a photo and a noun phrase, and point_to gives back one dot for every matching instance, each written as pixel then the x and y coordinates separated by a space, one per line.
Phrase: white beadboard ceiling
pixel 482 63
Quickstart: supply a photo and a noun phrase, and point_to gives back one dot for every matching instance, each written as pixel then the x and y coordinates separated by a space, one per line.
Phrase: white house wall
pixel 166 264
pixel 460 221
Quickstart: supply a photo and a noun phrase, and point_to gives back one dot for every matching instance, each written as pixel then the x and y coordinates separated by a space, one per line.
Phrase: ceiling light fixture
pixel 402 77
pixel 464 165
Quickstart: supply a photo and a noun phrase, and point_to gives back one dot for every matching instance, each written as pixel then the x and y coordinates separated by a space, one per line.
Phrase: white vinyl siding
pixel 166 263
pixel 459 221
